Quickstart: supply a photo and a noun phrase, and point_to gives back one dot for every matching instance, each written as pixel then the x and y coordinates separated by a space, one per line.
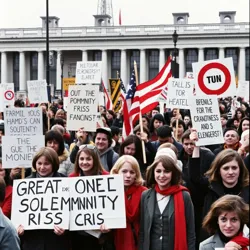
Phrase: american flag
pixel 147 93
pixel 108 102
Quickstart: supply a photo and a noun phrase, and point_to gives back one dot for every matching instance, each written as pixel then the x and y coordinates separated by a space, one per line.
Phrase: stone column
pixel 58 71
pixel 4 67
pixel 182 71
pixel 242 65
pixel 84 55
pixel 22 71
pixel 40 65
pixel 221 53
pixel 105 68
pixel 142 65
pixel 124 71
pixel 201 55
pixel 162 59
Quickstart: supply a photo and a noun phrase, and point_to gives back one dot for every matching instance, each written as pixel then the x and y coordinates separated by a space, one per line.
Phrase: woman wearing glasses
pixel 88 163
pixel 226 221
pixel 127 238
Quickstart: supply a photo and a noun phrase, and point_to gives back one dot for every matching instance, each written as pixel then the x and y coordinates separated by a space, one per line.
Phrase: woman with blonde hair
pixel 226 221
pixel 127 238
pixel 167 215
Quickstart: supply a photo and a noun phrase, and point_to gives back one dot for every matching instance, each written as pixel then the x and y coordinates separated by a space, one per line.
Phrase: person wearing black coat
pixel 46 164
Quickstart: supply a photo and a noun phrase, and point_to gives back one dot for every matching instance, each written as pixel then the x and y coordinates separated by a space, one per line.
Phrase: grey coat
pixel 148 201
pixel 9 239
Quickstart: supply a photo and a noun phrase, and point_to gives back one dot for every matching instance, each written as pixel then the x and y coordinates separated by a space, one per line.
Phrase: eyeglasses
pixel 89 146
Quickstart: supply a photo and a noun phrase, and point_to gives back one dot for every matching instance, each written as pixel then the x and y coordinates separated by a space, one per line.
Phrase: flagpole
pixel 140 117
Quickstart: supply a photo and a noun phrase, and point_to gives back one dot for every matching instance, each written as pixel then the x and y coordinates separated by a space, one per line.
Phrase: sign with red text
pixel 205 117
pixel 215 77
pixel 7 95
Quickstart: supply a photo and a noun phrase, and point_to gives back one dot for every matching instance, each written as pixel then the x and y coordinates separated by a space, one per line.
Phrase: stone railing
pixel 61 32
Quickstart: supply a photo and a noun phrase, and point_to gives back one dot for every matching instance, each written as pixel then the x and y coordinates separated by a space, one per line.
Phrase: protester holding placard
pixel 167 215
pixel 87 163
pixel 226 221
pixel 46 164
pixel 127 238
pixel 6 204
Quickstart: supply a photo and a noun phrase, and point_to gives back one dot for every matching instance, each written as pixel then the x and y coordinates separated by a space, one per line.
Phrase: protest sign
pixel 206 119
pixel 243 90
pixel 179 93
pixel 88 72
pixel 65 103
pixel 7 95
pixel 97 200
pixel 23 121
pixel 67 82
pixel 82 107
pixel 37 91
pixel 40 203
pixel 190 75
pixel 215 77
pixel 18 151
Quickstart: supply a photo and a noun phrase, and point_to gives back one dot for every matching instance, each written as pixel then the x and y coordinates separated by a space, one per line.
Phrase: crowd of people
pixel 184 197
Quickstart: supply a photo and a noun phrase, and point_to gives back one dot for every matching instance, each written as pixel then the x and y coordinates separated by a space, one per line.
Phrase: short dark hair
pixel 58 121
pixel 19 103
pixel 55 135
pixel 186 135
pixel 230 128
pixel 180 122
pixel 164 131
pixel 115 130
pixel 224 116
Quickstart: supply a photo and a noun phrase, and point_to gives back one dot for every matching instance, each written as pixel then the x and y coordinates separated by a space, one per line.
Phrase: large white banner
pixel 215 77
pixel 37 91
pixel 40 203
pixel 18 151
pixel 82 107
pixel 23 121
pixel 179 93
pixel 97 200
pixel 243 90
pixel 206 119
pixel 79 203
pixel 88 72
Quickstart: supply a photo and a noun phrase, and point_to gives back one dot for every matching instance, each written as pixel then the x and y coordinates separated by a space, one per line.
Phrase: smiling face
pixel 230 173
pixel 43 166
pixel 129 174
pixel 245 125
pixel 231 137
pixel 229 224
pixel 162 176
pixel 86 163
pixel 101 142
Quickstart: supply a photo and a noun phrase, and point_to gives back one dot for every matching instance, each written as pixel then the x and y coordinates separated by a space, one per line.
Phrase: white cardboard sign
pixel 243 90
pixel 82 107
pixel 23 121
pixel 88 72
pixel 215 77
pixel 206 119
pixel 40 203
pixel 97 200
pixel 7 94
pixel 37 91
pixel 18 151
pixel 179 93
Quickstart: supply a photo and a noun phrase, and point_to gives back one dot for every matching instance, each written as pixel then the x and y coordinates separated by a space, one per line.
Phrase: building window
pixel 33 66
pixel 135 56
pixel 211 54
pixel 191 57
pixel 233 52
pixel 153 63
pixel 16 70
pixel 247 64
pixel 115 63
pixel 97 55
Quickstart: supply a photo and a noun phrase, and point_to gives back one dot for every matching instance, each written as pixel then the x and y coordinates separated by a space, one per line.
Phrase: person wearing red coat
pixel 127 238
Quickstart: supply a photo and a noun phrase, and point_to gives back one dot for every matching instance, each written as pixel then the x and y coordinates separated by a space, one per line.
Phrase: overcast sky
pixel 26 13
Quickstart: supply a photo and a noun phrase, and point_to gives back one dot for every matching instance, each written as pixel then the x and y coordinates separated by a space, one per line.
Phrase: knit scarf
pixel 132 202
pixel 180 235
pixel 242 241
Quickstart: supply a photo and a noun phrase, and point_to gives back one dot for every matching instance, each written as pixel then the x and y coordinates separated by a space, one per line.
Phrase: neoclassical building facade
pixel 23 51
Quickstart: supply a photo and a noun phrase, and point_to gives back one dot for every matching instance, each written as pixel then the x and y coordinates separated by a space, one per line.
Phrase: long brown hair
pixel 224 157
pixel 92 151
pixel 227 203
pixel 169 166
